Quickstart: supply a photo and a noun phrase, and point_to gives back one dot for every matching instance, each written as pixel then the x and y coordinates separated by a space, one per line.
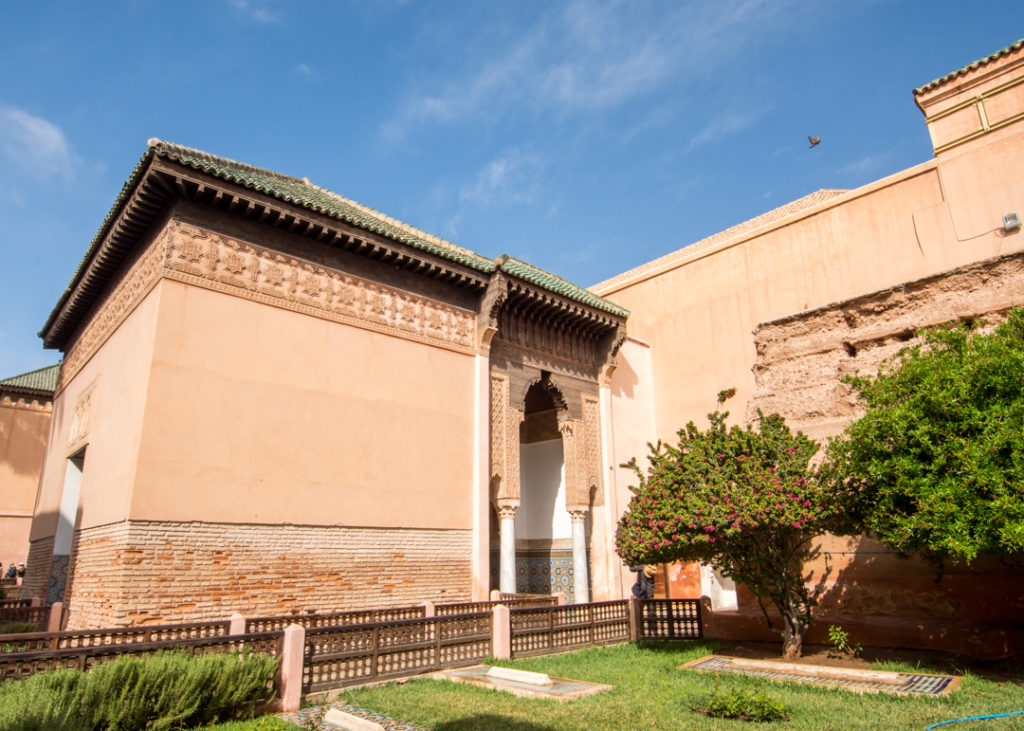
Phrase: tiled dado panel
pixel 543 572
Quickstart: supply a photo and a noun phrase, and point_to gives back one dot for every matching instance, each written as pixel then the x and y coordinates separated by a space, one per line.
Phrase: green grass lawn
pixel 652 693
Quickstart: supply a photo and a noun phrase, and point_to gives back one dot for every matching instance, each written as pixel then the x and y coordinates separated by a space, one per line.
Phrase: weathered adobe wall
pixel 24 428
pixel 145 572
pixel 801 360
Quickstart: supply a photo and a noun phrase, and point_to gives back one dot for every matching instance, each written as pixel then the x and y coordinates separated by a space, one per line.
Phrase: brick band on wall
pixel 143 572
pixel 37 568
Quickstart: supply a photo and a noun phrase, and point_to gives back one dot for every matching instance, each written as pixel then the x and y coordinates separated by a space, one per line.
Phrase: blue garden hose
pixel 974 718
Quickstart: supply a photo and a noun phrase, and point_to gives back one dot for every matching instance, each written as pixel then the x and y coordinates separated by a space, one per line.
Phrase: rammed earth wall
pixel 142 572
pixel 800 362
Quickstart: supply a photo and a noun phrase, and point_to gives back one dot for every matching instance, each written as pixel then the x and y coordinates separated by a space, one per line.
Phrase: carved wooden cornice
pixel 147 201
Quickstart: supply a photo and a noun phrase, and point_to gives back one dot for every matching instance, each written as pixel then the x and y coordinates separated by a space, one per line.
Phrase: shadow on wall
pixel 883 600
pixel 24 433
pixel 625 380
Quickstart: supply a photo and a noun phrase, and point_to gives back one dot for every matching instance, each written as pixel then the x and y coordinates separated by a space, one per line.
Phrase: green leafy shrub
pixel 758 707
pixel 17 628
pixel 163 691
pixel 936 463
pixel 840 639
pixel 745 500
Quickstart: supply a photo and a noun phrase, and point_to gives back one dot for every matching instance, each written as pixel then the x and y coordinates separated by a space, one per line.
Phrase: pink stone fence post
pixel 501 632
pixel 56 615
pixel 291 666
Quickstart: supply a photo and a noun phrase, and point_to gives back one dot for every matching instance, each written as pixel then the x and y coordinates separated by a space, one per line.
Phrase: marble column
pixel 579 556
pixel 507 572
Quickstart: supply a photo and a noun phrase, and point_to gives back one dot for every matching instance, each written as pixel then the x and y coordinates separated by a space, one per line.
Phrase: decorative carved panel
pixel 208 259
pixel 592 463
pixel 120 303
pixel 505 423
pixel 577 494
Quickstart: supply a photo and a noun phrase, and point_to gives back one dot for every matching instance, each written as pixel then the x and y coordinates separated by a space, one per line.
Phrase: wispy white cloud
pixel 593 56
pixel 35 145
pixel 864 165
pixel 722 126
pixel 256 11
pixel 658 118
pixel 305 71
pixel 513 177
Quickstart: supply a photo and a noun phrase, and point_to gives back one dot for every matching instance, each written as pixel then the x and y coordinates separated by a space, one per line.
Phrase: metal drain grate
pixel 856 680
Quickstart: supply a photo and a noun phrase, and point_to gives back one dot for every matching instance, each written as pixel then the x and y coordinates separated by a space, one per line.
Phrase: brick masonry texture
pixel 142 572
pixel 37 568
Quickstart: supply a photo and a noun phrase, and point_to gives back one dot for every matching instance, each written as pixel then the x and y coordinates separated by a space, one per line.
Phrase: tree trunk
pixel 792 633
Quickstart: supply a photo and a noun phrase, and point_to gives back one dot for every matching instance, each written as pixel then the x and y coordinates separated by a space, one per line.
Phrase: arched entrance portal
pixel 543 528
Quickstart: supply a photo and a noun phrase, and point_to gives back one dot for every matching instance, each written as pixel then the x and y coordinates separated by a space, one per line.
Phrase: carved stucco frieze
pixel 577 492
pixel 30 403
pixel 592 450
pixel 120 303
pixel 205 258
pixel 505 422
pixel 81 418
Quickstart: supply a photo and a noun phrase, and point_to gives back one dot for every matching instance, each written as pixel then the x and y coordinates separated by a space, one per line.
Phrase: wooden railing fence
pixel 364 653
pixel 42 641
pixel 25 613
pixel 15 665
pixel 540 631
pixel 334 619
pixel 670 619
pixel 520 601
pixel 325 651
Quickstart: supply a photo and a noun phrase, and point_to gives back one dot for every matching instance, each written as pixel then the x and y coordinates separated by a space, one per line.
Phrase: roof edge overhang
pixel 167 173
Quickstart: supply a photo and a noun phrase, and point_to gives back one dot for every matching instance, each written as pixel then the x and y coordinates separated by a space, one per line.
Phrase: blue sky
pixel 583 137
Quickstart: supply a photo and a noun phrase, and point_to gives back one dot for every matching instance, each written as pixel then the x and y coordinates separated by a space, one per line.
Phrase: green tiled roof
pixel 300 192
pixel 43 379
pixel 304 194
pixel 970 67
pixel 556 284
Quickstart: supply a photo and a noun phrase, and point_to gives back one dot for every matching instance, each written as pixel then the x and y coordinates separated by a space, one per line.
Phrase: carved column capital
pixel 490 306
pixel 578 515
pixel 507 512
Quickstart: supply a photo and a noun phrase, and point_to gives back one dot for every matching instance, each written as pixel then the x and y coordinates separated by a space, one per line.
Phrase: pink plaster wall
pixel 698 315
pixel 24 425
pixel 257 414
pixel 117 377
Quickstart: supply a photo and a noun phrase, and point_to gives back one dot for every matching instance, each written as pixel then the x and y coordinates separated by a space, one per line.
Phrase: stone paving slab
pixel 318 714
pixel 859 681
pixel 560 689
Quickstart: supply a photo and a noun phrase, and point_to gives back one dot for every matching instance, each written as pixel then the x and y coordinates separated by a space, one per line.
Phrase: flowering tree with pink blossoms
pixel 746 501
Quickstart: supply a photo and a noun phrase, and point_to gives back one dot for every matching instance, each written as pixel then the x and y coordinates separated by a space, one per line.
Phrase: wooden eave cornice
pixel 532 302
pixel 142 205
pixel 163 182
pixel 235 199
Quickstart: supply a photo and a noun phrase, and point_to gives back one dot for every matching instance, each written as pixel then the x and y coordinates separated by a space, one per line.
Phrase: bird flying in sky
pixel 815 140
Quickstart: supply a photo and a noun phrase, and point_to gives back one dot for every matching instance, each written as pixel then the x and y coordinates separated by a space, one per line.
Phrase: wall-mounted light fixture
pixel 1011 222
